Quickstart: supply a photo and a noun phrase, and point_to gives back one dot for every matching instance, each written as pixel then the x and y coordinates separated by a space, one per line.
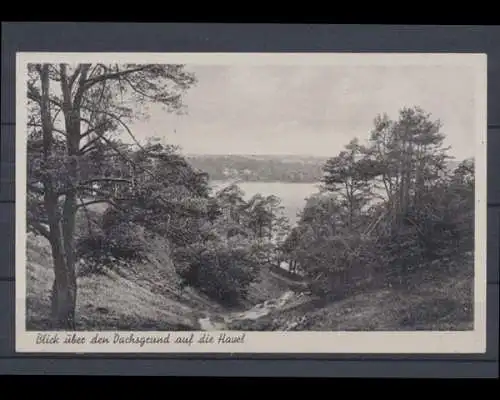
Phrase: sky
pixel 310 110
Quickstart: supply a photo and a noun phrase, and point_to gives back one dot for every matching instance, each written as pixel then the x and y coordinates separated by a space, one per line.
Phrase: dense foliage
pixel 218 240
pixel 389 209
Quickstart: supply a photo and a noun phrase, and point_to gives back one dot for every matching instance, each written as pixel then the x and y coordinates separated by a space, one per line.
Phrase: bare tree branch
pixel 74 76
pixel 34 125
pixel 100 201
pixel 36 189
pixel 93 129
pixel 41 229
pixel 147 96
pixel 115 75
pixel 87 182
pixel 103 179
pixel 35 96
pixel 119 120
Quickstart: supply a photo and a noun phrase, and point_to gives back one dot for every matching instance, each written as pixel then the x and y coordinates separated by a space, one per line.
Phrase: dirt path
pixel 221 322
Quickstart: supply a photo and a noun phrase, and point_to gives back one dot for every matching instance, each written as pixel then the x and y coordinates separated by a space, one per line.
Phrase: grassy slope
pixel 146 298
pixel 142 297
pixel 442 305
pixel 271 284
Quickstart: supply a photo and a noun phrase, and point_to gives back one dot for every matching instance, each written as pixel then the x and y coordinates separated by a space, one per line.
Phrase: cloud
pixel 310 110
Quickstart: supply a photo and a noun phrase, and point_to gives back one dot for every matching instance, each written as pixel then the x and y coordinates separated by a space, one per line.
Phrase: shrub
pixel 222 269
pixel 109 245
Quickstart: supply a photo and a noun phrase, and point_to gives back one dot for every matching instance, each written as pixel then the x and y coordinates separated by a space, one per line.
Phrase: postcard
pixel 251 203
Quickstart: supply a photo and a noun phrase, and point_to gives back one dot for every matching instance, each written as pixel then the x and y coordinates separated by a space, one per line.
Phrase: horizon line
pixel 256 154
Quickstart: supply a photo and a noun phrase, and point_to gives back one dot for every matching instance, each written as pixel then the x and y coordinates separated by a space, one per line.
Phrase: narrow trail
pixel 260 310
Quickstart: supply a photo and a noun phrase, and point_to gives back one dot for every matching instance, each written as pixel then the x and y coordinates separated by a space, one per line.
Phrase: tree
pixel 232 202
pixel 407 156
pixel 263 213
pixel 348 175
pixel 393 207
pixel 289 247
pixel 269 225
pixel 74 110
pixel 319 222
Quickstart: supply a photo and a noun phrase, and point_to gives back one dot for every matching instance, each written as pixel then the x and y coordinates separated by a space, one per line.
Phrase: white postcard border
pixel 263 342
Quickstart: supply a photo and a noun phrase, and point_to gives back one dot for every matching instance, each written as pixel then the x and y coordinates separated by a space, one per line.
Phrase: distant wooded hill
pixel 264 168
pixel 260 168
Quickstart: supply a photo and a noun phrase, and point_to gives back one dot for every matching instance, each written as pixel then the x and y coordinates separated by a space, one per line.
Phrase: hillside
pixel 265 168
pixel 149 297
pixel 260 168
pixel 445 305
pixel 145 298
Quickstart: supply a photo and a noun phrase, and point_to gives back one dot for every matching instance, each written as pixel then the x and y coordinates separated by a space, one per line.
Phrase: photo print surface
pixel 251 203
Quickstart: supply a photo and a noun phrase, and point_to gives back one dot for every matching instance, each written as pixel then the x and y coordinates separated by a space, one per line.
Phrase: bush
pixel 109 245
pixel 426 250
pixel 222 269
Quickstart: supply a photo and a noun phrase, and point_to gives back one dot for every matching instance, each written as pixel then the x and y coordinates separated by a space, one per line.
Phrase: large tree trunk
pixel 66 297
pixel 64 287
pixel 63 293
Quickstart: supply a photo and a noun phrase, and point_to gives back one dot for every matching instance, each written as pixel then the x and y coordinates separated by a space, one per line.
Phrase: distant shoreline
pixel 266 156
pixel 293 169
pixel 238 181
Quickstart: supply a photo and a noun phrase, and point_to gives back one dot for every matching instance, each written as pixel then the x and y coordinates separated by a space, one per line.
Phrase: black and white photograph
pixel 251 203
